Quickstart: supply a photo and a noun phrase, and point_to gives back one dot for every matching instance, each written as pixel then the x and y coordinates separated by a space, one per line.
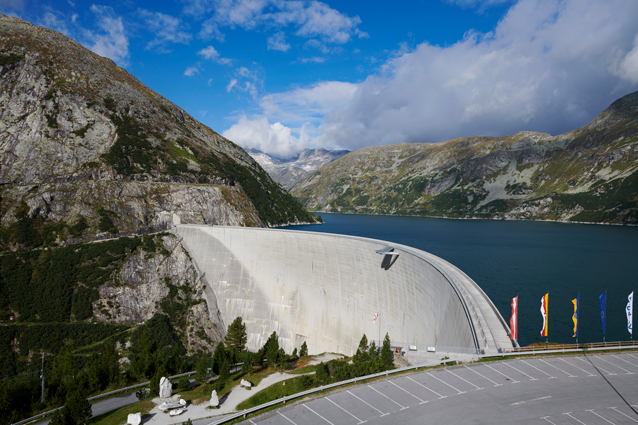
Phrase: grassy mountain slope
pixel 589 175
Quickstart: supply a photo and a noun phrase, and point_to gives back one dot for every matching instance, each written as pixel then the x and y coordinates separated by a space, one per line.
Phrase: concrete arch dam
pixel 325 289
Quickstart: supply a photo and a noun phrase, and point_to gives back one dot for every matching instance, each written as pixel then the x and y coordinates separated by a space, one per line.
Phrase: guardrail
pixel 283 400
pixel 562 347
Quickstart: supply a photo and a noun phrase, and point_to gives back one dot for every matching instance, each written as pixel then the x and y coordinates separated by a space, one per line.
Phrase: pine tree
pixel 203 364
pixel 372 353
pixel 322 374
pixel 304 349
pixel 362 353
pixel 224 373
pixel 272 352
pixel 236 338
pixel 247 366
pixel 155 380
pixel 218 357
pixel 387 358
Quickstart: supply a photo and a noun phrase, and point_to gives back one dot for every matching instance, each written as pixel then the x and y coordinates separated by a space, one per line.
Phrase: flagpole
pixel 605 317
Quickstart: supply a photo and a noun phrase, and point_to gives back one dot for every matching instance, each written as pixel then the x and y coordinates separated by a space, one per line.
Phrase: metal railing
pixel 563 347
pixel 284 399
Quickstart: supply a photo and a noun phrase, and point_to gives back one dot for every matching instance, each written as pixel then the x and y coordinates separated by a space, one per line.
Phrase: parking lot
pixel 591 389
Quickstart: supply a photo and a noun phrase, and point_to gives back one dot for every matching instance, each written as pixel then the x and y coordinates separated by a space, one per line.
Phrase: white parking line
pixel 403 389
pixel 363 401
pixel 548 420
pixel 520 371
pixel 616 410
pixel 598 367
pixel 360 421
pixel 374 389
pixel 632 355
pixel 540 370
pixel 588 373
pixel 626 361
pixel 514 381
pixel 476 386
pixel 282 415
pixel 252 422
pixel 479 374
pixel 456 389
pixel 604 419
pixel 429 389
pixel 607 361
pixel 306 406
pixel 549 364
pixel 570 415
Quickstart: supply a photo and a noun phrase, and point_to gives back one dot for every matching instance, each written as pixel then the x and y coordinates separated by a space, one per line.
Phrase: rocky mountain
pixel 587 175
pixel 289 172
pixel 86 148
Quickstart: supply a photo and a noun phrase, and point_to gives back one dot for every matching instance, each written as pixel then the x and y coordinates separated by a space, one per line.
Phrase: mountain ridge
pixel 87 148
pixel 586 175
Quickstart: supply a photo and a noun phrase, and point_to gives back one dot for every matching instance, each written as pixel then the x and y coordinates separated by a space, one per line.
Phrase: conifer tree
pixel 387 358
pixel 218 357
pixel 304 349
pixel 322 374
pixel 235 339
pixel 272 352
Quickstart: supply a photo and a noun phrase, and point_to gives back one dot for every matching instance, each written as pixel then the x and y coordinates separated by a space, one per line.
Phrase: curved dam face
pixel 324 289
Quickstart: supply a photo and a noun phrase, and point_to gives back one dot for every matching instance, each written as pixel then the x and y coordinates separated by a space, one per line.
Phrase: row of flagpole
pixel 545 313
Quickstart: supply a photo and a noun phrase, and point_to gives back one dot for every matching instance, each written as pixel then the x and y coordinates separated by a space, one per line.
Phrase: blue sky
pixel 283 75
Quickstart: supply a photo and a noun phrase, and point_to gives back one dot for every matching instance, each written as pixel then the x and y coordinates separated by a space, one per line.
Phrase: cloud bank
pixel 548 66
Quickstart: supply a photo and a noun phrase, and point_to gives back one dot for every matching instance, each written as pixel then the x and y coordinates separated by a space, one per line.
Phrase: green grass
pixel 119 416
pixel 275 391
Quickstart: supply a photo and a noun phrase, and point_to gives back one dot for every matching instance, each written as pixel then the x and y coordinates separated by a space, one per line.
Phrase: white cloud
pixel 15 5
pixel 231 84
pixel 167 29
pixel 314 59
pixel 212 54
pixel 310 18
pixel 278 42
pixel 275 139
pixel 481 4
pixel 111 41
pixel 549 66
pixel 191 71
pixel 56 23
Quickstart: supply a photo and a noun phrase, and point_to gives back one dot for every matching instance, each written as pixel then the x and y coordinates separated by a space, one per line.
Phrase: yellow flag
pixel 575 316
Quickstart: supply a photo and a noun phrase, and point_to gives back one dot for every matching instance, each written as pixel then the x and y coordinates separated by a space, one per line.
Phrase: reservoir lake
pixel 524 258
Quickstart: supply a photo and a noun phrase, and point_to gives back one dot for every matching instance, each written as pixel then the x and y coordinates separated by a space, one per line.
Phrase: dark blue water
pixel 507 258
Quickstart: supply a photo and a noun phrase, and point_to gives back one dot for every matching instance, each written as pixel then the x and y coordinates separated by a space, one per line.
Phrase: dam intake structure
pixel 325 289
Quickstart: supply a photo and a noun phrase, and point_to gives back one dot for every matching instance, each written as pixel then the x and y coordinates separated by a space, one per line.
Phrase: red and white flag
pixel 376 316
pixel 514 319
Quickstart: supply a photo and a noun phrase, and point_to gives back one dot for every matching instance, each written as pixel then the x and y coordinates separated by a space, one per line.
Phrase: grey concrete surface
pixel 324 289
pixel 589 390
pixel 103 406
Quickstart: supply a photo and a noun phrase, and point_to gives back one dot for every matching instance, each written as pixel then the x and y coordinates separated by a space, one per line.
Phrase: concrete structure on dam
pixel 325 289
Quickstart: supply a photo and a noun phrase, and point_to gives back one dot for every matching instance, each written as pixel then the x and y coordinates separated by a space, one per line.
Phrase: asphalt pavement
pixel 582 389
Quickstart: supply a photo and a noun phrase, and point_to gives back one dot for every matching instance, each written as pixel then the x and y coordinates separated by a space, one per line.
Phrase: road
pixel 104 406
pixel 582 389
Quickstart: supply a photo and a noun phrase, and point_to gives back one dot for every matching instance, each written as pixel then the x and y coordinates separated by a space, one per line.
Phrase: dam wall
pixel 324 289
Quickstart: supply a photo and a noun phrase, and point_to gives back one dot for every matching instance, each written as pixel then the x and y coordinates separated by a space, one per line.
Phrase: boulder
pixel 182 402
pixel 246 384
pixel 176 412
pixel 134 419
pixel 165 388
pixel 164 407
pixel 214 400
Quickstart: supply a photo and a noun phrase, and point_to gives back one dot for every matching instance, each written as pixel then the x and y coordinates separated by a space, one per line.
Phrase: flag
pixel 630 312
pixel 575 316
pixel 514 319
pixel 376 316
pixel 603 309
pixel 545 312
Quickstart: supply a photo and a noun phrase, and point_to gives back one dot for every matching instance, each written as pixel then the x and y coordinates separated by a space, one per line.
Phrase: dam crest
pixel 325 289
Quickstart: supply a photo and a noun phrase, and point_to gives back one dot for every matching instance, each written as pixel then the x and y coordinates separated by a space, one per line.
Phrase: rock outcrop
pixel 83 141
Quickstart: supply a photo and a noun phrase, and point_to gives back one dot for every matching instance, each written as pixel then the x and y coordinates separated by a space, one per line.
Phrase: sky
pixel 284 75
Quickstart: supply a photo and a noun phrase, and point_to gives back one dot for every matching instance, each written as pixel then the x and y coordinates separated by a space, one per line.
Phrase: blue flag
pixel 603 309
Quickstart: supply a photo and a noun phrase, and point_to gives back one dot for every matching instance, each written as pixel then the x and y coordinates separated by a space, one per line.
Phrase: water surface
pixel 528 259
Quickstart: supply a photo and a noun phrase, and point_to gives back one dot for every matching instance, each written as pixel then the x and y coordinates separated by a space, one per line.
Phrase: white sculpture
pixel 245 383
pixel 165 388
pixel 165 407
pixel 134 419
pixel 182 402
pixel 176 412
pixel 214 400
